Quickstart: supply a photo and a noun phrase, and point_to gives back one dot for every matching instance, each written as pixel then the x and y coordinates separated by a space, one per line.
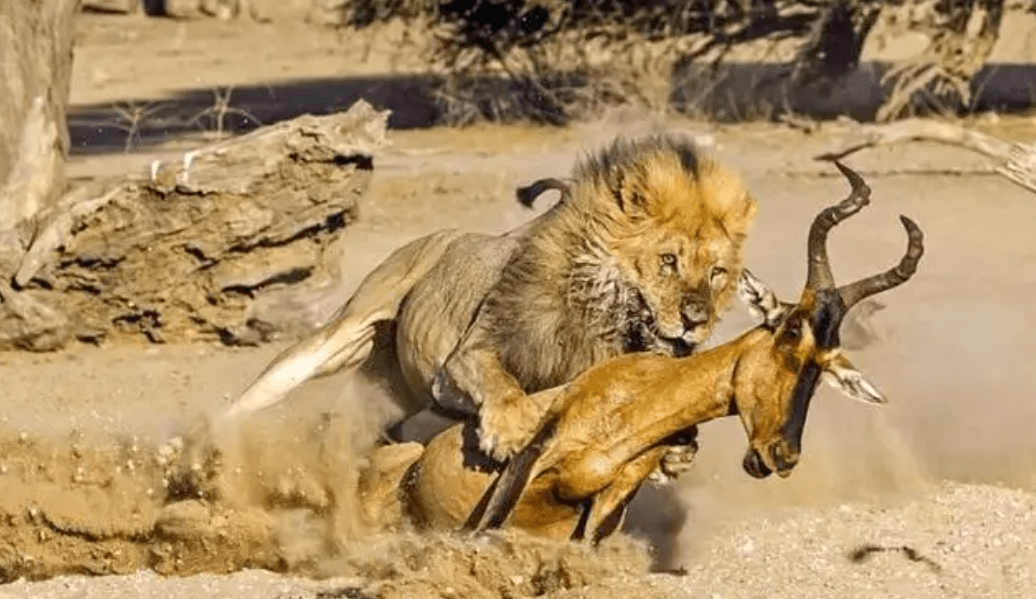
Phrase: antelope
pixel 607 431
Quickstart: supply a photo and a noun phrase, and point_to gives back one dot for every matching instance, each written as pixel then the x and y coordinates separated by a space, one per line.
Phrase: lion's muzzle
pixel 694 322
pixel 696 315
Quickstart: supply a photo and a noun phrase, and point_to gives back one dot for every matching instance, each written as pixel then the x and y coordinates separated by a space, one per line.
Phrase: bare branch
pixel 1018 159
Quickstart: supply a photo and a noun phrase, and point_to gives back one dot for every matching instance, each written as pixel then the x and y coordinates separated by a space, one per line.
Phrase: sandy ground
pixel 933 495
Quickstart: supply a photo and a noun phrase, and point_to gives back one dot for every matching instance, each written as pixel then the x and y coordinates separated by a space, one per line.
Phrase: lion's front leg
pixel 508 422
pixel 507 417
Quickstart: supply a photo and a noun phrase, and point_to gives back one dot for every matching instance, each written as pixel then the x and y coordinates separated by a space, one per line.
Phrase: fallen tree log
pixel 184 253
pixel 1017 159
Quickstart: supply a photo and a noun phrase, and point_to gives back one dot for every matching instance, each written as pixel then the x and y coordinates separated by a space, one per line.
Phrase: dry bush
pixel 555 60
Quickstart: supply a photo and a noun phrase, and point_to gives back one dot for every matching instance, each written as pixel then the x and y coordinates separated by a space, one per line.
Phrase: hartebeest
pixel 607 431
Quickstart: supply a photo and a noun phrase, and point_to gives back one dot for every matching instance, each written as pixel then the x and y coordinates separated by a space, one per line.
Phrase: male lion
pixel 642 253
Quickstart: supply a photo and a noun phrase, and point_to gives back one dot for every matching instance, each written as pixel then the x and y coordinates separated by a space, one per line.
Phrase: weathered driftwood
pixel 184 253
pixel 1017 159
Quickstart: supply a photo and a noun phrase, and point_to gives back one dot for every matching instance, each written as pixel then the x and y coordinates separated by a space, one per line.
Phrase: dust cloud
pixel 279 492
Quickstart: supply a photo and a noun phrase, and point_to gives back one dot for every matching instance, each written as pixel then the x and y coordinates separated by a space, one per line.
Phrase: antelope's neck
pixel 707 379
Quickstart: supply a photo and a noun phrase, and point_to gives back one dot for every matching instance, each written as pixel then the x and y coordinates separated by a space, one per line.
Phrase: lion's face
pixel 679 284
pixel 676 242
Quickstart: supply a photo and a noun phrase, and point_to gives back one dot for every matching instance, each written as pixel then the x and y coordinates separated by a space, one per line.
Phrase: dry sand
pixel 930 496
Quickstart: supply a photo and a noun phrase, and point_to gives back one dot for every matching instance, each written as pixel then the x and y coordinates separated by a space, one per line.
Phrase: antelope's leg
pixel 346 341
pixel 499 501
pixel 588 472
pixel 608 507
pixel 503 495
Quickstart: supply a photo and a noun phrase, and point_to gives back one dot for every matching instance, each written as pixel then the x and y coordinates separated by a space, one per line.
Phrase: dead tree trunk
pixel 36 65
pixel 188 251
pixel 36 56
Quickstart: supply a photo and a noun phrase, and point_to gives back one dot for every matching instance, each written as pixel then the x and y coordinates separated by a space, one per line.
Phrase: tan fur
pixel 608 430
pixel 531 309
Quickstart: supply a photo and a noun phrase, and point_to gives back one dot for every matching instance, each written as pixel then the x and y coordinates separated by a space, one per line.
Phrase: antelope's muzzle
pixel 754 464
pixel 780 459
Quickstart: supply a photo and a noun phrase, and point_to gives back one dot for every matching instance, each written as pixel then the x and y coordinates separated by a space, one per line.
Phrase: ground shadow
pixel 732 93
pixel 144 122
pixel 738 91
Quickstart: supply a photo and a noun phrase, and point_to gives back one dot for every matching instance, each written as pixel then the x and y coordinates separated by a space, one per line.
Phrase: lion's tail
pixel 527 195
pixel 346 341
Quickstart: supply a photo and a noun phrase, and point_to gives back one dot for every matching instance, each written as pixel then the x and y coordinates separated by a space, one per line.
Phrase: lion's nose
pixel 695 312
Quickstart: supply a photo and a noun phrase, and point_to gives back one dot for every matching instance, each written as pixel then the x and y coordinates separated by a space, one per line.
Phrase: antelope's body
pixel 645 405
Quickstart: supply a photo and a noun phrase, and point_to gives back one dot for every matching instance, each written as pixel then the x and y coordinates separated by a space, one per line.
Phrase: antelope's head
pixel 777 375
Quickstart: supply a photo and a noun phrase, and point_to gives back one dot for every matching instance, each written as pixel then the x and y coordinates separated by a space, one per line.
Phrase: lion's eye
pixel 717 275
pixel 668 262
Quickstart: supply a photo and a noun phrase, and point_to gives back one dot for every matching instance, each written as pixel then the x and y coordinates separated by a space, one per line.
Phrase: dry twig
pixel 220 109
pixel 131 116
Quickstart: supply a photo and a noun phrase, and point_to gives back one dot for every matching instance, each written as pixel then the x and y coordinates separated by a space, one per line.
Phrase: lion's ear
pixel 628 191
pixel 739 217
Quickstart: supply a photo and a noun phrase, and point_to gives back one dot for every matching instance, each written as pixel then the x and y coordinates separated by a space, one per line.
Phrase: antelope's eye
pixel 668 262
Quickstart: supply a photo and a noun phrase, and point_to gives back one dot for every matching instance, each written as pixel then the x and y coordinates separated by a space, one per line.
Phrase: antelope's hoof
pixel 676 461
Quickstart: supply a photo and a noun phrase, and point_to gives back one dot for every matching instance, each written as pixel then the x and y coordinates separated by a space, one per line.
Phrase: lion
pixel 642 253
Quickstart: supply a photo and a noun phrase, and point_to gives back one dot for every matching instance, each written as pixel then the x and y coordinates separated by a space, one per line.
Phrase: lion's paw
pixel 505 427
pixel 677 460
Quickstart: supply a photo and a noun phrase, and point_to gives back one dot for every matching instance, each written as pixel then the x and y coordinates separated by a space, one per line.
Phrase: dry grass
pixel 554 61
pixel 133 117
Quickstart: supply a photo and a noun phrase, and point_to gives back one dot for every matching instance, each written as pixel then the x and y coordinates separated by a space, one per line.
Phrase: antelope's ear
pixel 840 373
pixel 760 300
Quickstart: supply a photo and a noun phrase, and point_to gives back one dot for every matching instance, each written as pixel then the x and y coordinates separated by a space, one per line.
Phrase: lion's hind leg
pixel 347 340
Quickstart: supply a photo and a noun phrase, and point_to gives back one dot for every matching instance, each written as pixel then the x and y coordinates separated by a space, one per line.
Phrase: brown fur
pixel 531 309
pixel 609 429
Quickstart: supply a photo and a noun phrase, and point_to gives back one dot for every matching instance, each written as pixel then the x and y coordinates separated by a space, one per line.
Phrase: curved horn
pixel 818 274
pixel 527 194
pixel 854 292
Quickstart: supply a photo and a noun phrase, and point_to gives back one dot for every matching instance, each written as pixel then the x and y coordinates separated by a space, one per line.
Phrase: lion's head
pixel 670 222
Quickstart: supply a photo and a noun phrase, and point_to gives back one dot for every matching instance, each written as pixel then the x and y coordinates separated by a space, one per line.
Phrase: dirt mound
pixel 506 564
pixel 91 503
pixel 83 503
